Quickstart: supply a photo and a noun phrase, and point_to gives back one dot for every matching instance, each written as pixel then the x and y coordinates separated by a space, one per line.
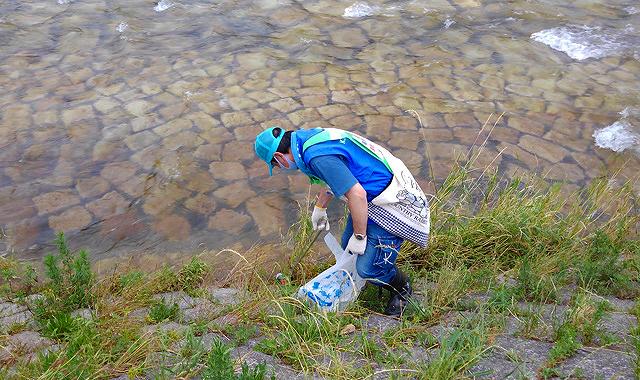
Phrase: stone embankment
pixel 519 349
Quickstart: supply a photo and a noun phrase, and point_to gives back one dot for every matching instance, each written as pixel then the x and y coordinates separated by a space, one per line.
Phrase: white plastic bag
pixel 335 288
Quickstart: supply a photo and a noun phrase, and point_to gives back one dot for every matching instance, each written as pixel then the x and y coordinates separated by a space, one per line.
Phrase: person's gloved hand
pixel 357 246
pixel 319 219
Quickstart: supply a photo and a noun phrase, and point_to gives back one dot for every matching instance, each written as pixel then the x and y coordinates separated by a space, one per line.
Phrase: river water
pixel 130 124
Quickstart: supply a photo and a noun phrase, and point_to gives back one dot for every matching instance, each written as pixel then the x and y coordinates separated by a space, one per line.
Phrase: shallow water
pixel 129 124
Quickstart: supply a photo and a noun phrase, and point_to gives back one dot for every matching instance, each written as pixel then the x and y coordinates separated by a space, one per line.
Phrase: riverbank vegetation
pixel 504 255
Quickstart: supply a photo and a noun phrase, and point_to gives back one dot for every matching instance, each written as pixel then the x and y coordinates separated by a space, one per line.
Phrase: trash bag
pixel 337 287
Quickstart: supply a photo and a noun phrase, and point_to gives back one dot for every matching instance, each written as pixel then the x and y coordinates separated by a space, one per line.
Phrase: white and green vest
pixel 401 208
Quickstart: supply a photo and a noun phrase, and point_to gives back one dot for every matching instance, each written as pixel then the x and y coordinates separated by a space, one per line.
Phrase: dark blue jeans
pixel 378 263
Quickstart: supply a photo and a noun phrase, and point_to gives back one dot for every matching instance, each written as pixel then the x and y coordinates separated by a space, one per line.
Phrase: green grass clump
pixel 70 287
pixel 459 350
pixel 219 366
pixel 17 279
pixel 160 312
pixel 188 278
pixel 490 223
pixel 635 336
pixel 191 276
pixel 602 268
pixel 566 344
pixel 70 275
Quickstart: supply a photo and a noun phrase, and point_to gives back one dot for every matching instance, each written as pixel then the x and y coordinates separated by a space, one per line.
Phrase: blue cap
pixel 266 145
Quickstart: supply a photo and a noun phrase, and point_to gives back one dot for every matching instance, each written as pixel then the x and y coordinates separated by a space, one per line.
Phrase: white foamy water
pixel 122 27
pixel 618 137
pixel 632 10
pixel 448 22
pixel 63 2
pixel 360 9
pixel 580 42
pixel 163 5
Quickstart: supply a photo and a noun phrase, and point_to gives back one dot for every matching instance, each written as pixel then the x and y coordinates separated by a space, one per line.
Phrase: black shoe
pixel 400 289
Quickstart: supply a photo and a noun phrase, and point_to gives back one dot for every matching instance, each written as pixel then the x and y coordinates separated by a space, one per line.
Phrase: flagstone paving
pixel 507 353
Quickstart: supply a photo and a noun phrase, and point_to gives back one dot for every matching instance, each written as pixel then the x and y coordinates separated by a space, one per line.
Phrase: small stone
pixel 201 181
pixel 110 204
pixel 72 219
pixel 54 201
pixel 228 221
pixel 348 329
pixel 173 227
pixel 227 170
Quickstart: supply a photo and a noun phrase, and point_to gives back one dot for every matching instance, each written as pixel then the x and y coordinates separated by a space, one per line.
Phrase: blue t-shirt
pixel 341 164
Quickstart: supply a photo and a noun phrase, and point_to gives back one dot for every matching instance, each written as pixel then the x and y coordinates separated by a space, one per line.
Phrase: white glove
pixel 319 219
pixel 357 246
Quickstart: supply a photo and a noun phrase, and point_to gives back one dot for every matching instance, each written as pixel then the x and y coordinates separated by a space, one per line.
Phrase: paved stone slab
pixel 202 310
pixel 181 298
pixel 380 323
pixel 279 370
pixel 599 364
pixel 226 296
pixel 165 327
pixel 82 313
pixel 512 358
pixel 619 325
pixel 22 343
pixel 23 317
pixel 9 308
